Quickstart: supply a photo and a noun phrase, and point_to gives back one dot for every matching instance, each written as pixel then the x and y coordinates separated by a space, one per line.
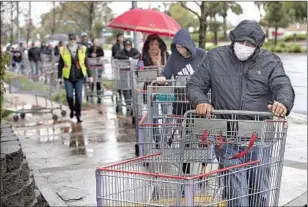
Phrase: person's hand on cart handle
pixel 204 109
pixel 278 109
pixel 90 79
pixel 60 81
pixel 161 80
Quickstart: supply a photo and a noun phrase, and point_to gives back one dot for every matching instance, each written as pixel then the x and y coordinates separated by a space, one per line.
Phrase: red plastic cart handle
pixel 252 141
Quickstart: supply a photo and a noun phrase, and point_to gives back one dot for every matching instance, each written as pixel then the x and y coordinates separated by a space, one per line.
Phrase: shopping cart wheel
pixel 22 115
pixel 63 112
pixel 16 117
pixel 133 120
pixel 55 117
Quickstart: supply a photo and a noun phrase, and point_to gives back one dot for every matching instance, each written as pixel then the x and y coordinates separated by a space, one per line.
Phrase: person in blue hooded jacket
pixel 182 63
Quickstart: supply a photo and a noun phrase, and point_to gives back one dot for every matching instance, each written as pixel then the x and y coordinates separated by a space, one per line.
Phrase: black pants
pixel 98 88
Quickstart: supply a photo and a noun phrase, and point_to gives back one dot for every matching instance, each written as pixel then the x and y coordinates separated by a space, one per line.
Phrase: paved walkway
pixel 64 155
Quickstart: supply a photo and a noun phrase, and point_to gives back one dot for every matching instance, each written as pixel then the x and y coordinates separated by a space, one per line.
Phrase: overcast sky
pixel 250 11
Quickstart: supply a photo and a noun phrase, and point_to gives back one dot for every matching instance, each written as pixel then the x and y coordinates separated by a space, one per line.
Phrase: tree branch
pixel 189 9
pixel 197 3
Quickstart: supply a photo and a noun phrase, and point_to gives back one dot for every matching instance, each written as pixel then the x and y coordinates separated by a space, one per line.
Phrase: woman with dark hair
pixel 154 52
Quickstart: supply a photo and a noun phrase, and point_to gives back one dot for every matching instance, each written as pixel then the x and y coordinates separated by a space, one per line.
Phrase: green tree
pixel 183 16
pixel 204 13
pixel 77 17
pixel 224 7
pixel 276 16
pixel 297 10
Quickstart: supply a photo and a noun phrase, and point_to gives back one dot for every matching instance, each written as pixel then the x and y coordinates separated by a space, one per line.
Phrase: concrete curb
pixel 45 188
pixel 299 201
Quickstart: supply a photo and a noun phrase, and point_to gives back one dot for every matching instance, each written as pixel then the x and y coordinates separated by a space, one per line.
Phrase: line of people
pixel 240 76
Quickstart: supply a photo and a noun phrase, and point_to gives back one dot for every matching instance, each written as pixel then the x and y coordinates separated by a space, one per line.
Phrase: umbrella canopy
pixel 147 21
pixel 59 37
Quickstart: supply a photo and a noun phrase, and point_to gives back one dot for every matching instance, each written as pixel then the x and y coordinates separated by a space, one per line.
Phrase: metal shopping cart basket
pixel 45 86
pixel 140 81
pixel 123 83
pixel 96 89
pixel 249 177
pixel 166 106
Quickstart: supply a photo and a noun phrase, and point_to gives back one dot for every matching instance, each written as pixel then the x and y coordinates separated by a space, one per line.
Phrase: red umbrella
pixel 147 21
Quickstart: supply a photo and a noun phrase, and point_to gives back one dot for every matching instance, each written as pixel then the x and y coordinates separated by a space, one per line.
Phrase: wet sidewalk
pixel 64 155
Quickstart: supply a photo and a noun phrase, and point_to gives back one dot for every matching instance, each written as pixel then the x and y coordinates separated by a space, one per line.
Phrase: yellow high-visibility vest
pixel 67 59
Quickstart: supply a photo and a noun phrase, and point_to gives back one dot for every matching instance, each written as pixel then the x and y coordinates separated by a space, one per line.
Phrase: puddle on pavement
pixel 82 138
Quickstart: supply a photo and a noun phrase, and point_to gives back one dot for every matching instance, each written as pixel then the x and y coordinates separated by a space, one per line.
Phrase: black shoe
pixel 78 119
pixel 137 150
pixel 72 114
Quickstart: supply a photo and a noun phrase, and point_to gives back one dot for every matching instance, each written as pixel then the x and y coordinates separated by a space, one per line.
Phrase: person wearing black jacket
pixel 94 52
pixel 72 67
pixel 34 56
pixel 118 46
pixel 128 52
pixel 17 60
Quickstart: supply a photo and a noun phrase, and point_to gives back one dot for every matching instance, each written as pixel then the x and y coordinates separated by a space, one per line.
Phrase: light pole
pixel 136 34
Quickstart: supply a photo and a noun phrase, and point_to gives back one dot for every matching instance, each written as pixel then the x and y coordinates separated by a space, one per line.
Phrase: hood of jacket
pixel 182 37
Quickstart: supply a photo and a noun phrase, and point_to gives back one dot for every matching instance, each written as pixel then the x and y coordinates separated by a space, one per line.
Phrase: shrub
pixel 299 37
pixel 295 48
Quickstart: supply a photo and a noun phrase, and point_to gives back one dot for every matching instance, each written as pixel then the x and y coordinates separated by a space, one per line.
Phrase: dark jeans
pixel 239 184
pixel 70 87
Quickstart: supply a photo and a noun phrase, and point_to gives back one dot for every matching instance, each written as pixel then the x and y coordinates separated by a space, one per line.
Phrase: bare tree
pixel 53 28
pixel 29 22
pixel 202 20
pixel 17 21
pixel 12 22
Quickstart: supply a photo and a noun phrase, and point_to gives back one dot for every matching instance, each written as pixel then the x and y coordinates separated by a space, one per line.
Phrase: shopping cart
pixel 46 86
pixel 96 66
pixel 166 105
pixel 123 83
pixel 237 180
pixel 129 183
pixel 139 81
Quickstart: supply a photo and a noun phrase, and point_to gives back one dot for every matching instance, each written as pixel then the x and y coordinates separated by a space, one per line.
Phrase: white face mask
pixel 243 52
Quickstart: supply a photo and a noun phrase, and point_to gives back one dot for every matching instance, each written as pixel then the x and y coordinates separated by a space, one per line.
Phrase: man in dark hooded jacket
pixel 243 76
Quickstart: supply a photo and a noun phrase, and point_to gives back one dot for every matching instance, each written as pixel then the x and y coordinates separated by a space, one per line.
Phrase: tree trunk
pixel 91 18
pixel 28 25
pixel 203 26
pixel 53 28
pixel 12 22
pixel 202 34
pixel 276 30
pixel 225 27
pixel 215 37
pixel 17 22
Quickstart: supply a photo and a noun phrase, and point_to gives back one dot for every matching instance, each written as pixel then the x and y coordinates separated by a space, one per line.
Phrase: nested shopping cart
pixel 164 101
pixel 123 83
pixel 45 86
pixel 141 79
pixel 95 89
pixel 247 175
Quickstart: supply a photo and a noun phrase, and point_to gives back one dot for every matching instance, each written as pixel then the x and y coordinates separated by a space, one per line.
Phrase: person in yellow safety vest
pixel 72 68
